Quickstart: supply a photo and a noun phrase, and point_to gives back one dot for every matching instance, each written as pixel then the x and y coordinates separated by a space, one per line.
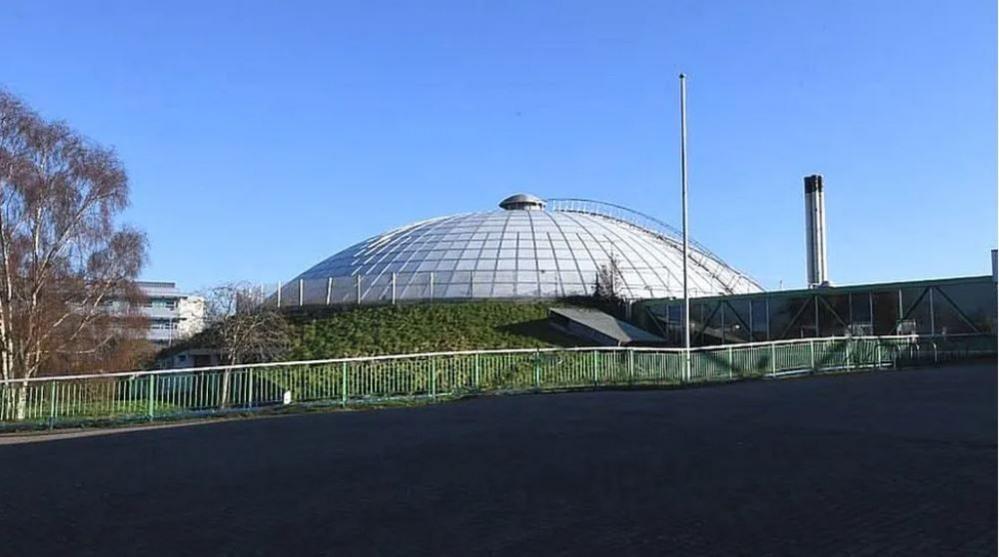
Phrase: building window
pixel 163 303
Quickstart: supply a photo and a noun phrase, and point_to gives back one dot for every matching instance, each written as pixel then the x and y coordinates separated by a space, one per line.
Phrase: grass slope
pixel 413 328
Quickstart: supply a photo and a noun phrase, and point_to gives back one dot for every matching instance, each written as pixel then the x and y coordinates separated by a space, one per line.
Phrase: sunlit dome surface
pixel 529 248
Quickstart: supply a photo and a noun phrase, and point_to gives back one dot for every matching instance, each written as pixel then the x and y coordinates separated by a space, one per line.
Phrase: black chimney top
pixel 813 183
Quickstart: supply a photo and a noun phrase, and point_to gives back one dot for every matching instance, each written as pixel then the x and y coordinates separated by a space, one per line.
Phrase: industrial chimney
pixel 815 231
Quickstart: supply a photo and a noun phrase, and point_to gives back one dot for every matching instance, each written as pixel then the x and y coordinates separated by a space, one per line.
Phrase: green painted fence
pixel 170 394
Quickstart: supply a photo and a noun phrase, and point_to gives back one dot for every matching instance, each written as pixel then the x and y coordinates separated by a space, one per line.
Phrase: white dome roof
pixel 528 250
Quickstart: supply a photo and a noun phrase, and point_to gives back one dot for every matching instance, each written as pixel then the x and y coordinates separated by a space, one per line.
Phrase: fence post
pixel 731 363
pixel 934 343
pixel 537 370
pixel 249 388
pixel 811 350
pixel 433 378
pixel 631 365
pixel 52 404
pixel 596 368
pixel 476 378
pixel 152 390
pixel 877 354
pixel 773 359
pixel 848 354
pixel 343 384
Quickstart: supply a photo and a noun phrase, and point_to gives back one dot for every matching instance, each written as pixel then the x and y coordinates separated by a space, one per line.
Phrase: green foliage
pixel 414 328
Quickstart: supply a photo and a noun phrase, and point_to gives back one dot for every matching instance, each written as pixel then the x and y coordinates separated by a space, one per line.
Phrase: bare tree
pixel 244 328
pixel 64 259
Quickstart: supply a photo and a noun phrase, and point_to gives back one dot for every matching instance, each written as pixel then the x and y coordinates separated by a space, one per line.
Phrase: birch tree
pixel 65 261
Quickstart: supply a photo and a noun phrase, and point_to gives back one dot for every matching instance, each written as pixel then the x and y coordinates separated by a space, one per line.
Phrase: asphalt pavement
pixel 886 463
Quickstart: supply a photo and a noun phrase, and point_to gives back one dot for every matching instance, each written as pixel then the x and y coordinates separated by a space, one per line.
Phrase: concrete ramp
pixel 599 327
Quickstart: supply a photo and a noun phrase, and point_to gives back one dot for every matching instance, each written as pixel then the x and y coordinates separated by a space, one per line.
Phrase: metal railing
pixel 392 288
pixel 170 394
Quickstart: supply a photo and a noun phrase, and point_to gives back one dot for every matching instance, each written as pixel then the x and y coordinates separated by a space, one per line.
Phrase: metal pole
pixel 898 321
pixel 815 304
pixel 683 175
pixel 52 403
pixel 811 351
pixel 329 289
pixel 152 390
pixel 870 311
pixel 537 370
pixel 343 384
pixel 767 299
pixel 301 292
pixel 933 325
pixel 433 379
pixel 721 309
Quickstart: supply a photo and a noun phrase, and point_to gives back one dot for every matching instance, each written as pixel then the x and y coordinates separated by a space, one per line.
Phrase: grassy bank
pixel 413 328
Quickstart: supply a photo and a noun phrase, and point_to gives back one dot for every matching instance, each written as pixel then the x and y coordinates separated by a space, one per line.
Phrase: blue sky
pixel 262 137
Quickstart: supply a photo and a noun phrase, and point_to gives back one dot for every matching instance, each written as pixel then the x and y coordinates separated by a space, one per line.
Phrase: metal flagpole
pixel 683 174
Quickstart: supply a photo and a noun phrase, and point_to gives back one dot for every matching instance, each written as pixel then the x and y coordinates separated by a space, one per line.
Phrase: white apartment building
pixel 172 314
